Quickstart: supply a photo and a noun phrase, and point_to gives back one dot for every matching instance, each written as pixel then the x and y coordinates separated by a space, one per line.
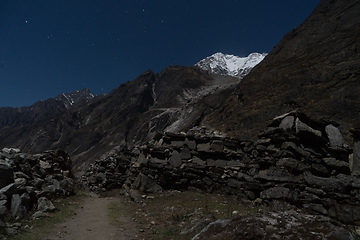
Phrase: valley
pixel 278 135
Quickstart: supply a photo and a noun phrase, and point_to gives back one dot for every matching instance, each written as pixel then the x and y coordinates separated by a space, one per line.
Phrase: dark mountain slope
pixel 177 98
pixel 178 84
pixel 43 110
pixel 80 129
pixel 315 69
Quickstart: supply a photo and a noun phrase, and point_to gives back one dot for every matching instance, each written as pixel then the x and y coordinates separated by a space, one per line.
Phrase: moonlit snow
pixel 226 64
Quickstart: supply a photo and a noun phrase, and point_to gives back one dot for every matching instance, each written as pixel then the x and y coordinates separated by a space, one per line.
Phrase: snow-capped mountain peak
pixel 226 64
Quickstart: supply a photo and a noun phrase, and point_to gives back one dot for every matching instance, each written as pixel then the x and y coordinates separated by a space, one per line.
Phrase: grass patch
pixel 169 213
pixel 115 210
pixel 40 227
pixel 168 233
pixel 164 216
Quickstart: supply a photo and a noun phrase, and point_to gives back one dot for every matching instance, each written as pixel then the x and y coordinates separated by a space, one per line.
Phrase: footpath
pixel 92 222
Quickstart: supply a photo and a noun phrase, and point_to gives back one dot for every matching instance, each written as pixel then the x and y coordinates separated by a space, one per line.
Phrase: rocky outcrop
pixel 293 165
pixel 29 182
pixel 275 225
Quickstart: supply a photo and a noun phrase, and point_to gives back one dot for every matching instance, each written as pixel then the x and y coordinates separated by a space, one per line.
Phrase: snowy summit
pixel 226 64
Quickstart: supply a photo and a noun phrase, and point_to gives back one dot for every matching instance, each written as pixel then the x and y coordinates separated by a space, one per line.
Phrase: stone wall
pixel 355 161
pixel 296 163
pixel 28 182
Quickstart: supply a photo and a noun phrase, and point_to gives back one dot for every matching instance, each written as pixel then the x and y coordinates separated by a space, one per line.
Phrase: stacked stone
pixel 109 172
pixel 28 181
pixel 296 163
pixel 355 160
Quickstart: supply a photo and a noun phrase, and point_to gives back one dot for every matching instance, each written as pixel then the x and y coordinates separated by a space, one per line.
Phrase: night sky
pixel 48 47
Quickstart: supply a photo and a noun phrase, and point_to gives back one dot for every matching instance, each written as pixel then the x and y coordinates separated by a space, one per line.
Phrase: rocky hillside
pixel 175 99
pixel 43 110
pixel 315 68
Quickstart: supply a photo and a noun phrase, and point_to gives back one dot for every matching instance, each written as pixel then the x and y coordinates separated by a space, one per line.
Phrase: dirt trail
pixel 91 222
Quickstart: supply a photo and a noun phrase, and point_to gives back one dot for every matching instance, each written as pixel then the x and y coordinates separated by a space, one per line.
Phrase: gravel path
pixel 91 222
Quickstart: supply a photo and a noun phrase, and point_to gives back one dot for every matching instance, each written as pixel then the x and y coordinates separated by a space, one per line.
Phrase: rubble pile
pixel 28 183
pixel 109 172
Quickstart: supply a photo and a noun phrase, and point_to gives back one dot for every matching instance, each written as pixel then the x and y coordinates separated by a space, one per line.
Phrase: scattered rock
pixel 38 214
pixel 275 225
pixel 25 178
pixel 213 227
pixel 135 195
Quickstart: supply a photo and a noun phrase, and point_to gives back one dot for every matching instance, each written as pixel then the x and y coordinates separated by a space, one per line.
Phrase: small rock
pixel 334 136
pixel 38 214
pixel 45 205
pixel 287 122
pixel 45 165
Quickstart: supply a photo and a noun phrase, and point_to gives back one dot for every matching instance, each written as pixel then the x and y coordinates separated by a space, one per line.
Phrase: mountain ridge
pixel 43 110
pixel 227 64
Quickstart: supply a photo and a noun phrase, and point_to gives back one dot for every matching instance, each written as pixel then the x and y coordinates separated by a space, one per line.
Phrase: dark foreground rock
pixel 275 225
pixel 29 182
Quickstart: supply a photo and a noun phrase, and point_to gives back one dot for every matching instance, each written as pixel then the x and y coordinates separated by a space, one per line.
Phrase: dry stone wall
pixel 297 163
pixel 28 183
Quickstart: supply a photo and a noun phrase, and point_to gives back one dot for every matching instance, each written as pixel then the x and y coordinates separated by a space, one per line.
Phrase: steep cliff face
pixel 315 69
